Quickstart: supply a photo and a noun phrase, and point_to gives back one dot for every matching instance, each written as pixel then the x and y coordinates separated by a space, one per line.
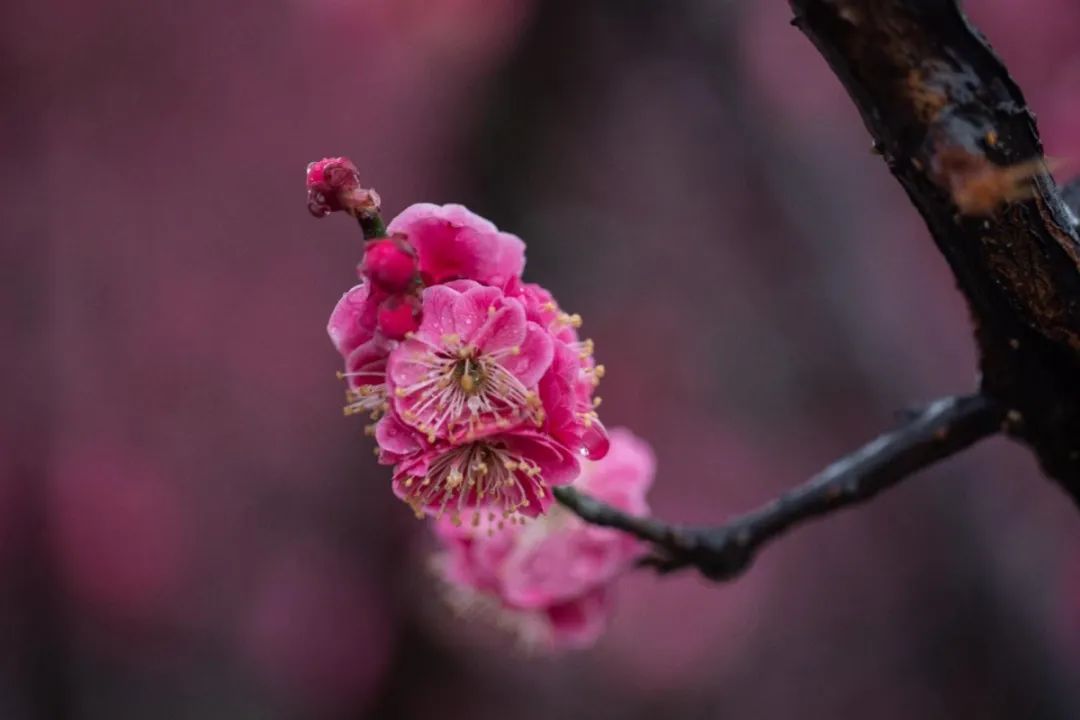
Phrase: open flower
pixel 472 367
pixel 492 480
pixel 550 577
pixel 454 243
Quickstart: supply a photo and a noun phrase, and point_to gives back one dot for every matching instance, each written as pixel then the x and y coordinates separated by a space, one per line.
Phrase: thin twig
pixel 943 429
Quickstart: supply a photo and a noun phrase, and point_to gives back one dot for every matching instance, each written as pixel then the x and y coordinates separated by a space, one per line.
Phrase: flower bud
pixel 390 264
pixel 333 184
pixel 398 316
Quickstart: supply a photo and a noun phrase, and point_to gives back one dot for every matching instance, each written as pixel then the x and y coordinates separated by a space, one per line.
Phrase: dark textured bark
pixel 956 132
pixel 1071 195
pixel 943 429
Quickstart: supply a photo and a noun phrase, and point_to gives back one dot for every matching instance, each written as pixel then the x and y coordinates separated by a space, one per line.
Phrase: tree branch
pixel 944 428
pixel 1070 193
pixel 956 132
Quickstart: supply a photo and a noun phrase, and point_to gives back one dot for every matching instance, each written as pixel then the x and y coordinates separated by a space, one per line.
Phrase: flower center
pixel 468 372
pixel 476 475
pixel 463 392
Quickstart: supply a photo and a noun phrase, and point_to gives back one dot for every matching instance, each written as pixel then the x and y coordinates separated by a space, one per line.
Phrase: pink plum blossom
pixel 473 366
pixel 454 243
pixel 551 577
pixel 480 386
pixel 500 477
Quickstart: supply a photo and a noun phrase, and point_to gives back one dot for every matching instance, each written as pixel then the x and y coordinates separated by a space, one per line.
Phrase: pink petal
pixel 503 330
pixel 453 242
pixel 537 351
pixel 352 321
pixel 594 440
pixel 438 311
pixel 472 310
pixel 397 439
pixel 403 367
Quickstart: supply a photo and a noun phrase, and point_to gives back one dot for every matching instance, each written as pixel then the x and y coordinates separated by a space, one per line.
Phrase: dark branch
pixel 1070 193
pixel 943 429
pixel 956 132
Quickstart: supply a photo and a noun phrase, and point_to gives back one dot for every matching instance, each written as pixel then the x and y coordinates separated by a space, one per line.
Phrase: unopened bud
pixel 333 185
pixel 390 264
pixel 398 316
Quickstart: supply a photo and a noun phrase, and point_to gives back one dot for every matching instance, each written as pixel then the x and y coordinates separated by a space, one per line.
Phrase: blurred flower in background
pixel 549 580
pixel 187 528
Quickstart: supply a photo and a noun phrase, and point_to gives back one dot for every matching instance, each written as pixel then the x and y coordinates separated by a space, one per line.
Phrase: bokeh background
pixel 189 529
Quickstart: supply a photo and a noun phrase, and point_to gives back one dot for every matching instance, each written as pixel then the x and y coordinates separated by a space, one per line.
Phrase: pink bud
pixel 333 184
pixel 390 264
pixel 398 316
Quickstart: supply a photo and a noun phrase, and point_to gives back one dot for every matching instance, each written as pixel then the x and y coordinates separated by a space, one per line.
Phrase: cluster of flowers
pixel 481 394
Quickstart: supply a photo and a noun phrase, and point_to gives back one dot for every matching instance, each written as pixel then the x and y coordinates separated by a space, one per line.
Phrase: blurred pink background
pixel 189 529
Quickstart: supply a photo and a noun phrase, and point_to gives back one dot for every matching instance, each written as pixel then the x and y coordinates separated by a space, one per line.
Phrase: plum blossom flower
pixel 454 243
pixel 550 578
pixel 473 366
pixel 478 383
pixel 500 477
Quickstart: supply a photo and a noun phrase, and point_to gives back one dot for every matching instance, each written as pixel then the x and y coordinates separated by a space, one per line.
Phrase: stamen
pixel 461 391
pixel 479 473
